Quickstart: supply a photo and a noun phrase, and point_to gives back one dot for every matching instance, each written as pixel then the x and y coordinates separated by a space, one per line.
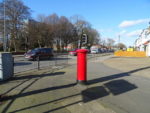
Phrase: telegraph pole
pixel 118 41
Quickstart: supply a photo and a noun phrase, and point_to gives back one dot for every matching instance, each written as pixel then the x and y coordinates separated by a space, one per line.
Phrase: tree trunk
pixel 15 45
pixel 39 44
pixel 9 46
pixel 58 45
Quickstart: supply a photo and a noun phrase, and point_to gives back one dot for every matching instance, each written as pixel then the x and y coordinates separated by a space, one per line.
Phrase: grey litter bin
pixel 6 65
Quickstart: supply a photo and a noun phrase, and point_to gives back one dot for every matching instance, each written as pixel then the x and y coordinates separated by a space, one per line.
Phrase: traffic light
pixel 84 39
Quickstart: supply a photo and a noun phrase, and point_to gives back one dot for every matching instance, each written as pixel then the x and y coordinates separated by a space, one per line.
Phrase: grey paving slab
pixel 109 90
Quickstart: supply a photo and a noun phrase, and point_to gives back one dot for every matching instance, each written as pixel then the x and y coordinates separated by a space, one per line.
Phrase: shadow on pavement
pixel 21 94
pixel 3 96
pixel 114 87
pixel 118 87
pixel 13 99
pixel 36 92
pixel 37 76
pixel 94 93
pixel 27 78
pixel 133 71
pixel 115 76
pixel 110 77
pixel 31 107
pixel 31 77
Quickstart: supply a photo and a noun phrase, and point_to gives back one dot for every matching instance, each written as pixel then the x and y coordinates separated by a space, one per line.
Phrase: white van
pixel 94 50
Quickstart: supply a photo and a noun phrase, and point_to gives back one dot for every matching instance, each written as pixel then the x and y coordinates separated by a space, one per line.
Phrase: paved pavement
pixel 109 90
pixel 127 92
pixel 127 64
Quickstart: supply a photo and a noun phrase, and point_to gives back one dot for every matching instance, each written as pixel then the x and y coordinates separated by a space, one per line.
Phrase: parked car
pixel 94 51
pixel 73 52
pixel 41 53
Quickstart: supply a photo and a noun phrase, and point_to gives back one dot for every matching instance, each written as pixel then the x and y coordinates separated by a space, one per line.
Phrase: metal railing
pixel 59 60
pixel 21 64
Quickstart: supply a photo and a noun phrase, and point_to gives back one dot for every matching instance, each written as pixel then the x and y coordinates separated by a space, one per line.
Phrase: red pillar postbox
pixel 81 66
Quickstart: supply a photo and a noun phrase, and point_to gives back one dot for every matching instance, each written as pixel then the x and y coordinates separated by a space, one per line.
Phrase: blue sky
pixel 110 17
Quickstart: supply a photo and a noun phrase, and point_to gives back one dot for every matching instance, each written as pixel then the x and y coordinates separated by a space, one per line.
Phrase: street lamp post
pixel 4 40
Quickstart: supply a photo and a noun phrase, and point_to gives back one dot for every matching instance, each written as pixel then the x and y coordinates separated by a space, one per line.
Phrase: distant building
pixel 143 42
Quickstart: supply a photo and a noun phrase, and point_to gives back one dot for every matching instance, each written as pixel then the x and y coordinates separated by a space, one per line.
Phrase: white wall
pixel 148 50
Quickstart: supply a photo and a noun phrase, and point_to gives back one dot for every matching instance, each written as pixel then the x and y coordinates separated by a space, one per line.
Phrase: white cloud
pixel 135 33
pixel 125 33
pixel 128 23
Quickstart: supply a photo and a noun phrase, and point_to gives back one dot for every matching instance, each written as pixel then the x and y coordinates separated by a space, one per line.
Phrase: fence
pixel 21 64
pixel 60 59
pixel 95 56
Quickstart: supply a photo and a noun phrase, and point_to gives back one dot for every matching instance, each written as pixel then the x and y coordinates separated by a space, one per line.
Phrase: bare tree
pixel 66 31
pixel 53 20
pixel 110 43
pixel 41 18
pixel 81 26
pixel 15 14
pixel 30 33
pixel 45 32
pixel 121 45
pixel 93 36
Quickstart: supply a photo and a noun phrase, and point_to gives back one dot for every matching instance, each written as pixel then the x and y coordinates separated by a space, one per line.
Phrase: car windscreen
pixel 34 51
pixel 94 50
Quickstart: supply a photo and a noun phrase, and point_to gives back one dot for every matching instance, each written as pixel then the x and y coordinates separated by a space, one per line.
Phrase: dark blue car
pixel 39 53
